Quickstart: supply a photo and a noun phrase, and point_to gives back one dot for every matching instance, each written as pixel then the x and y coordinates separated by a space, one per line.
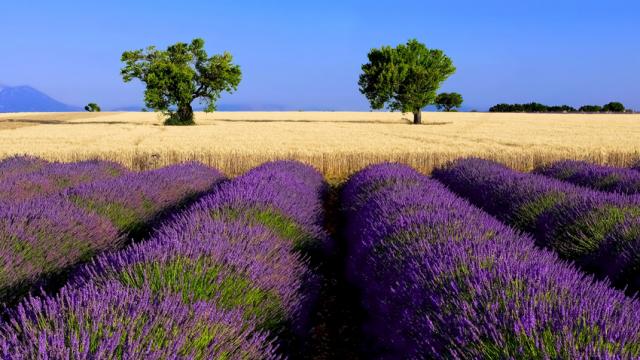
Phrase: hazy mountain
pixel 28 99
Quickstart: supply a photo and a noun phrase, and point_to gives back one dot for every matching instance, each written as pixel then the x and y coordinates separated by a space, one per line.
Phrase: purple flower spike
pixel 579 224
pixel 221 279
pixel 42 237
pixel 134 200
pixel 442 279
pixel 54 177
pixel 115 321
pixel 597 177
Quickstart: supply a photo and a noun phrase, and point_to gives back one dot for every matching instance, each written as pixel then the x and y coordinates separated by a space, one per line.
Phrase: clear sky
pixel 307 54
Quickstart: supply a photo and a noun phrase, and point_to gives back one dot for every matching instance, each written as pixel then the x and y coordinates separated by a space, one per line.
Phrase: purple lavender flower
pixel 42 237
pixel 114 321
pixel 290 202
pixel 54 177
pixel 285 198
pixel 20 165
pixel 229 263
pixel 597 177
pixel 578 223
pixel 230 253
pixel 134 200
pixel 441 279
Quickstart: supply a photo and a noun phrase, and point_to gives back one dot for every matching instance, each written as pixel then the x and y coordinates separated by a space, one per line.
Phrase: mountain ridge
pixel 25 98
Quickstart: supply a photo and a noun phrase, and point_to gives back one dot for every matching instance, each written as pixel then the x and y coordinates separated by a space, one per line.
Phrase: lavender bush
pixel 285 199
pixel 231 268
pixel 580 224
pixel 119 322
pixel 441 279
pixel 20 165
pixel 225 262
pixel 598 177
pixel 42 237
pixel 133 201
pixel 52 178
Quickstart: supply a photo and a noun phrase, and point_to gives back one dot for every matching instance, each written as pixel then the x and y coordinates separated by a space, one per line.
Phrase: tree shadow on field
pixel 427 122
pixel 437 123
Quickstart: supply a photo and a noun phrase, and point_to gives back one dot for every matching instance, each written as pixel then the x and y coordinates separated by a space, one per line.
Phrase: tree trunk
pixel 417 117
pixel 185 114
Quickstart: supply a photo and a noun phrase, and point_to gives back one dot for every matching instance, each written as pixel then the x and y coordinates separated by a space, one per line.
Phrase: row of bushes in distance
pixel 599 231
pixel 612 107
pixel 597 177
pixel 441 279
pixel 221 280
pixel 42 237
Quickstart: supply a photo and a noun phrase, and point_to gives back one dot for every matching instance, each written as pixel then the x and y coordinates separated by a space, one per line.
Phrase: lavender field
pixel 477 261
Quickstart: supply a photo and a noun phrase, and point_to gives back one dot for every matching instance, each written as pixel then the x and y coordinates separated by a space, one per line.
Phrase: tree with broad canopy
pixel 405 78
pixel 180 75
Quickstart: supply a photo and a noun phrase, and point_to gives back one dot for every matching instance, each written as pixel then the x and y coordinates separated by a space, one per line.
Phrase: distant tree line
pixel 612 107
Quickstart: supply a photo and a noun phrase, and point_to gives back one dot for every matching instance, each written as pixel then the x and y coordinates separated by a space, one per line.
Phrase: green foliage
pixel 275 221
pixel 201 279
pixel 92 107
pixel 448 101
pixel 613 107
pixel 590 108
pixel 404 78
pixel 583 237
pixel 533 107
pixel 128 221
pixel 527 215
pixel 180 75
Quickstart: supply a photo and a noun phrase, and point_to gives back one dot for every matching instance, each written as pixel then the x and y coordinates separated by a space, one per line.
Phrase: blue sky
pixel 307 54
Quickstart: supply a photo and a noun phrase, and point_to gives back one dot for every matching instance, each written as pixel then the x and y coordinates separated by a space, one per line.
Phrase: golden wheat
pixel 336 143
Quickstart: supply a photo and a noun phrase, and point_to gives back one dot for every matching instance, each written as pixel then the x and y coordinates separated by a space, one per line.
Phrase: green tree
pixel 448 101
pixel 590 108
pixel 613 107
pixel 92 107
pixel 404 78
pixel 180 75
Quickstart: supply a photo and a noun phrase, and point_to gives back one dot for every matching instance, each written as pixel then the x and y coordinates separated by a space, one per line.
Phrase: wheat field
pixel 337 143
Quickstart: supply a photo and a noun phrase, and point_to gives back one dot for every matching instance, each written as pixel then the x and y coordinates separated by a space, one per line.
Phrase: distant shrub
pixel 590 108
pixel 448 101
pixel 92 107
pixel 615 107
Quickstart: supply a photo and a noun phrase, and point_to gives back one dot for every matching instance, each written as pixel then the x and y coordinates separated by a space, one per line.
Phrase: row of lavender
pixel 53 215
pixel 597 177
pixel 598 231
pixel 24 178
pixel 221 280
pixel 442 279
